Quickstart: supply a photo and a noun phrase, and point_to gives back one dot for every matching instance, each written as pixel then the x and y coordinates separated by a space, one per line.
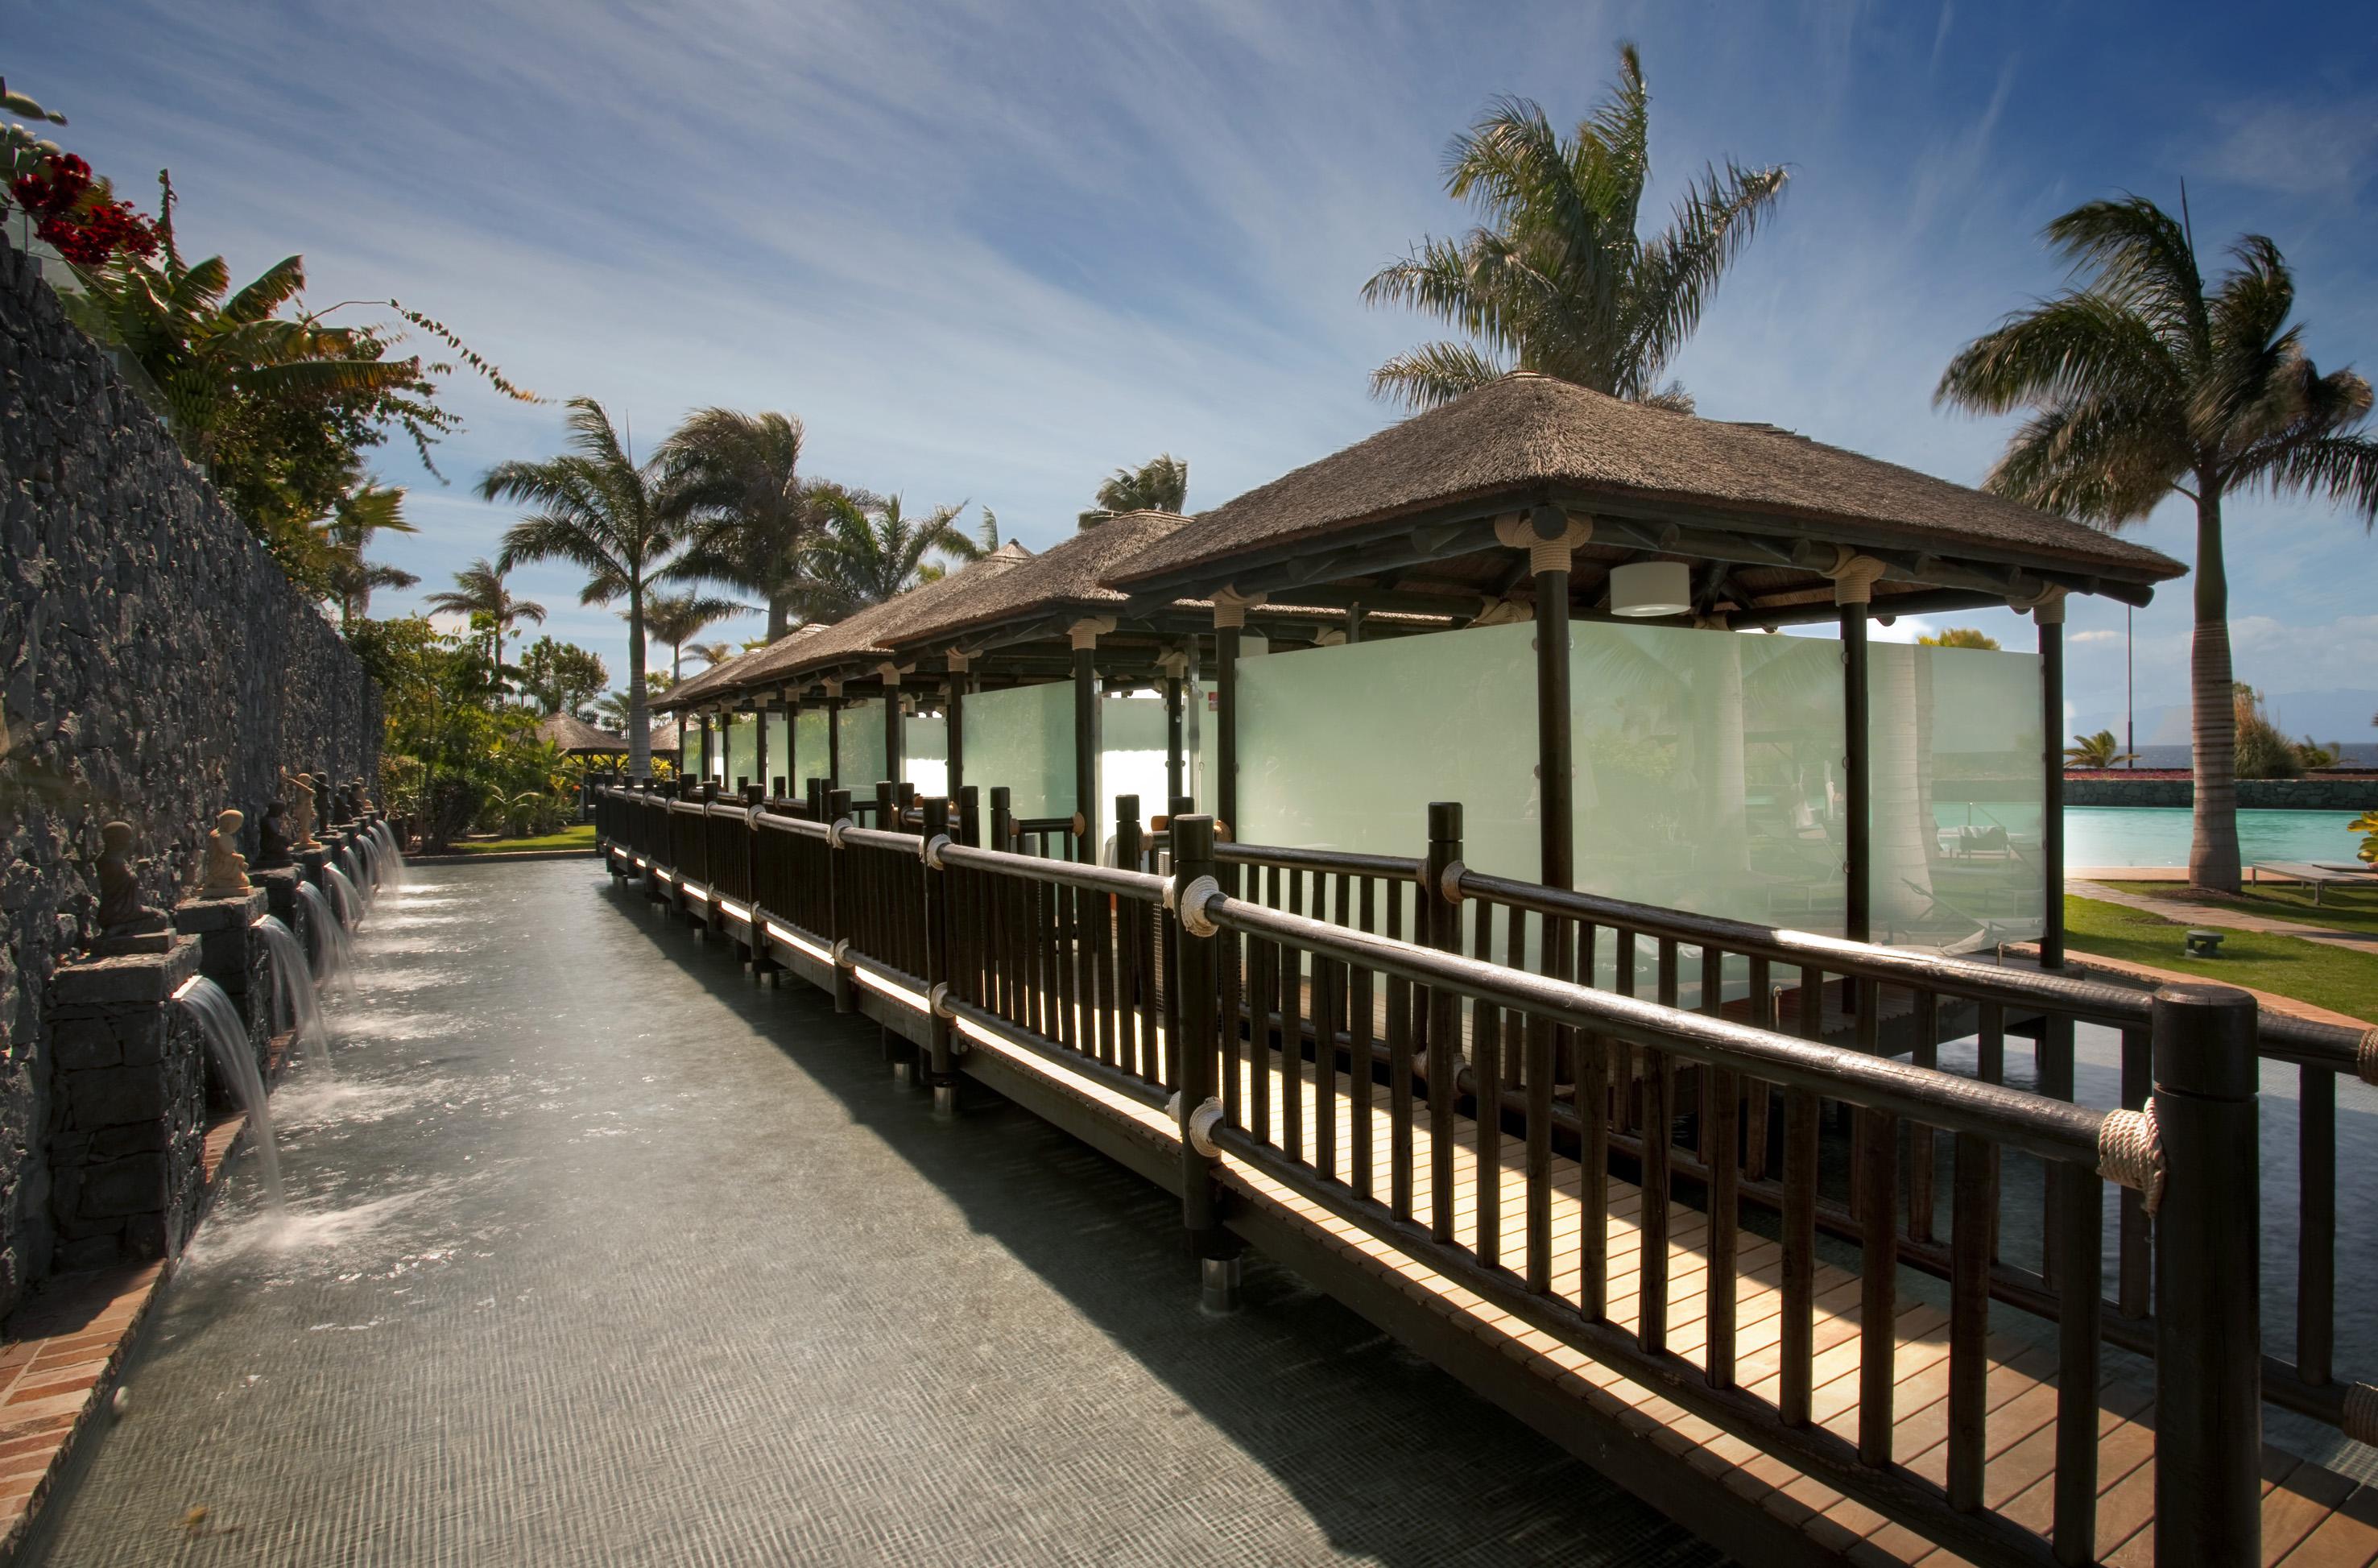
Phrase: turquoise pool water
pixel 2106 836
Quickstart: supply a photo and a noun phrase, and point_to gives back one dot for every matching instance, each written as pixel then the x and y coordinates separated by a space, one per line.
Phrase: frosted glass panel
pixel 1958 796
pixel 861 724
pixel 810 749
pixel 1709 772
pixel 1131 758
pixel 925 752
pixel 1343 748
pixel 742 751
pixel 779 728
pixel 1023 738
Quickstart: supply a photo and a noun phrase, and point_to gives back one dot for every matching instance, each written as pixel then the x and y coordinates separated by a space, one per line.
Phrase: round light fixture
pixel 1645 589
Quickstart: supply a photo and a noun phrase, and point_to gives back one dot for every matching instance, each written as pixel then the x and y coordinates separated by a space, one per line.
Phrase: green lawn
pixel 579 836
pixel 2288 966
pixel 2340 909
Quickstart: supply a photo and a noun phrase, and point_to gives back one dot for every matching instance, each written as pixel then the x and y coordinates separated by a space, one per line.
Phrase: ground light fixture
pixel 1644 589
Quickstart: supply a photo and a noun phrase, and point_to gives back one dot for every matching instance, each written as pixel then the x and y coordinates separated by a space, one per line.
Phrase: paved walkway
pixel 598 1257
pixel 2221 915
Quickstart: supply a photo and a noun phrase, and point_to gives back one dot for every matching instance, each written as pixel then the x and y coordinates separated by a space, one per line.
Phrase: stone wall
pixel 2345 794
pixel 154 665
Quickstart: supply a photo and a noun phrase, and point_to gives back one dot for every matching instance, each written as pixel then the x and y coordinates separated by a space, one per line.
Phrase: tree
pixel 479 591
pixel 2143 382
pixel 1160 484
pixel 366 509
pixel 1958 637
pixel 2100 750
pixel 712 653
pixel 1554 279
pixel 561 677
pixel 611 707
pixel 2262 750
pixel 274 407
pixel 677 618
pixel 868 555
pixel 737 478
pixel 597 508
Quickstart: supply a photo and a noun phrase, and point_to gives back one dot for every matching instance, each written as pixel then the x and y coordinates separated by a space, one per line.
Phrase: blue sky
pixel 989 251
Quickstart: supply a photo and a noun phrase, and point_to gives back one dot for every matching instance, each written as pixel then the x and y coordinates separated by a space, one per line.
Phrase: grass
pixel 578 835
pixel 2287 966
pixel 2340 909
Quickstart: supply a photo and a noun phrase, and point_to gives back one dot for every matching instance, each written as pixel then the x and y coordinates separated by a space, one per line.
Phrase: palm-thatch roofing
pixel 1529 438
pixel 575 737
pixel 732 674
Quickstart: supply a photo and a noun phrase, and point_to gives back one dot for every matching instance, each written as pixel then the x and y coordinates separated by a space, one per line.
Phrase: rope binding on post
pixel 929 851
pixel 1189 903
pixel 2130 1153
pixel 835 830
pixel 2365 1057
pixel 1450 883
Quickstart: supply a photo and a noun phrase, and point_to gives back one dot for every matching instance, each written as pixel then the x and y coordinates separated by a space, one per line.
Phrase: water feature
pixel 226 1034
pixel 334 950
pixel 393 854
pixel 343 896
pixel 2158 836
pixel 350 867
pixel 292 990
pixel 367 857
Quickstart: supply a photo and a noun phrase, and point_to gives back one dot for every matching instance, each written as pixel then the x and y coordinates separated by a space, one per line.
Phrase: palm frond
pixel 1434 374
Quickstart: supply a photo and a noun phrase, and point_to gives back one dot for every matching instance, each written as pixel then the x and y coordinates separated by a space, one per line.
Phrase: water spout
pixel 343 896
pixel 392 854
pixel 334 951
pixel 293 1002
pixel 351 867
pixel 226 1036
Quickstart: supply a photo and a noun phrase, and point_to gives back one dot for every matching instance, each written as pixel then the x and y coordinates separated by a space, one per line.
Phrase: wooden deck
pixel 2311 1517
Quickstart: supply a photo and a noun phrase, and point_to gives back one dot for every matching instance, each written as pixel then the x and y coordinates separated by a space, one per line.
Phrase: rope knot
pixel 2130 1153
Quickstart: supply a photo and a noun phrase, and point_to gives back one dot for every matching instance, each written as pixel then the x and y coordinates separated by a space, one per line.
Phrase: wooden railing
pixel 1456 1011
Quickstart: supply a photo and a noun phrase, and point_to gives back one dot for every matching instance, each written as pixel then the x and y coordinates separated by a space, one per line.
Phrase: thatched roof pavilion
pixel 1528 500
pixel 574 737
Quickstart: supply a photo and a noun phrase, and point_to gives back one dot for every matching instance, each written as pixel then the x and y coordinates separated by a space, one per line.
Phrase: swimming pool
pixel 2109 835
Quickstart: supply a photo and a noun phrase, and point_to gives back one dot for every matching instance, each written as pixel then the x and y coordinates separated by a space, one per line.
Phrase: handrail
pixel 1343 861
pixel 2282 1038
pixel 2053 1129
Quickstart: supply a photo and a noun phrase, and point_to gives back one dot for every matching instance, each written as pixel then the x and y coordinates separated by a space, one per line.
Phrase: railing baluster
pixel 1921 1161
pixel 1537 1073
pixel 1724 1220
pixel 1400 1097
pixel 1971 1223
pixel 2134 1261
pixel 1291 1033
pixel 1486 1061
pixel 1440 930
pixel 2316 1227
pixel 1798 1329
pixel 2082 1198
pixel 1878 1182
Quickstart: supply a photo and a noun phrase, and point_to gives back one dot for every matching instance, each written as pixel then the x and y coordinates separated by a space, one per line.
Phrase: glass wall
pixel 779 737
pixel 810 749
pixel 925 752
pixel 743 751
pixel 1958 796
pixel 860 727
pixel 1023 738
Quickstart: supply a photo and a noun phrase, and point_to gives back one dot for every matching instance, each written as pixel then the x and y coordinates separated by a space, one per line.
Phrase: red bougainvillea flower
pixel 83 229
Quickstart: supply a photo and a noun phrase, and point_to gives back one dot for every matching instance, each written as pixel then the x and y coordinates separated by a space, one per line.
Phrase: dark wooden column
pixel 706 755
pixel 1551 539
pixel 2049 617
pixel 1085 634
pixel 1853 577
pixel 760 710
pixel 957 724
pixel 834 735
pixel 793 743
pixel 1176 666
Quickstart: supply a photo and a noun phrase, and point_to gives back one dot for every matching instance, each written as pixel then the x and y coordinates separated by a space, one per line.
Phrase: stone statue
pixel 301 812
pixel 121 913
pixel 364 806
pixel 272 840
pixel 226 867
pixel 327 799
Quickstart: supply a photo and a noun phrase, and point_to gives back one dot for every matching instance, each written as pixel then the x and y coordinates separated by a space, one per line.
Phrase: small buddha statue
pixel 301 812
pixel 226 867
pixel 273 838
pixel 121 913
pixel 326 798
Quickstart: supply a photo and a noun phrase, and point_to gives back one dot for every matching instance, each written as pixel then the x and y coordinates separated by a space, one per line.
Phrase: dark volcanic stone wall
pixel 154 665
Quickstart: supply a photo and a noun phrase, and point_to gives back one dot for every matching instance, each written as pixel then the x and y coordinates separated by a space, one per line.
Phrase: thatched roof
pixel 1529 437
pixel 1067 577
pixel 578 737
pixel 664 741
pixel 727 675
pixel 877 629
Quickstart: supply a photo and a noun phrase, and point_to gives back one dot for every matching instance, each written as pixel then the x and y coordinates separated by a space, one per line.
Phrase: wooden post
pixel 838 899
pixel 2208 1276
pixel 969 818
pixel 1176 761
pixel 1215 1248
pixel 760 754
pixel 1127 842
pixel 1230 608
pixel 707 758
pixel 957 724
pixel 834 740
pixel 1439 920
pixel 1854 578
pixel 2049 615
pixel 793 740
pixel 1002 819
pixel 941 1063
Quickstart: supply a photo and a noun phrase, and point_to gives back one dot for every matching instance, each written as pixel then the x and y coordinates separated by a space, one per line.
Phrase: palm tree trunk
pixel 640 733
pixel 2213 848
pixel 780 616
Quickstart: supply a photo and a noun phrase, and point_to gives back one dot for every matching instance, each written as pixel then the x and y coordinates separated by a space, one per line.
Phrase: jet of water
pixel 334 953
pixel 392 855
pixel 293 1002
pixel 226 1034
pixel 343 896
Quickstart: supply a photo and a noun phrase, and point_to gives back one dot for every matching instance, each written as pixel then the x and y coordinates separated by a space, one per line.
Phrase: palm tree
pixel 866 556
pixel 1160 484
pixel 596 507
pixel 479 590
pixel 1556 280
pixel 737 478
pixel 2100 750
pixel 366 509
pixel 677 618
pixel 712 653
pixel 2143 382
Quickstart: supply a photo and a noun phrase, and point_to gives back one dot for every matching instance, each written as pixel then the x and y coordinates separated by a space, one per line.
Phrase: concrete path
pixel 2220 915
pixel 598 1256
